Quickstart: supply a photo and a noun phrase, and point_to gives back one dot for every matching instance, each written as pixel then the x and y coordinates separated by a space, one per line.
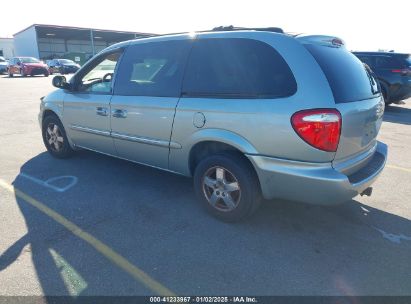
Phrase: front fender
pixel 52 102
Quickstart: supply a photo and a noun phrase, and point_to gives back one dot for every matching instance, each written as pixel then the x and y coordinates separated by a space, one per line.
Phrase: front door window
pixel 98 78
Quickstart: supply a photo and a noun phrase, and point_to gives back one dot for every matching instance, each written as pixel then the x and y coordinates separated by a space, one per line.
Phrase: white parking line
pixel 399 168
pixel 71 181
pixel 395 238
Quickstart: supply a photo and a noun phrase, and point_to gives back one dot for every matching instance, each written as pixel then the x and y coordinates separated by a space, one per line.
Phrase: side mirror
pixel 61 82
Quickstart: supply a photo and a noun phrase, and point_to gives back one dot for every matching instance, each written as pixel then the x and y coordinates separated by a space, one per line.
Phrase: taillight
pixel 320 128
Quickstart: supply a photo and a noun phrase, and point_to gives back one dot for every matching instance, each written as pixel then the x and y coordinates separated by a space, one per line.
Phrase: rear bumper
pixel 315 183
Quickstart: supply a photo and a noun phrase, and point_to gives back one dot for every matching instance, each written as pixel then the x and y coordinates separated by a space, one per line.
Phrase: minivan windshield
pixel 29 60
pixel 348 78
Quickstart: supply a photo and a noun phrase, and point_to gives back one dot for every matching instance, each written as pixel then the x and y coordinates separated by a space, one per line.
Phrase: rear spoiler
pixel 329 41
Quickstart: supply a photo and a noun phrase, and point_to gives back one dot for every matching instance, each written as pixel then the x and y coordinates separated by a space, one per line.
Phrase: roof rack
pixel 234 28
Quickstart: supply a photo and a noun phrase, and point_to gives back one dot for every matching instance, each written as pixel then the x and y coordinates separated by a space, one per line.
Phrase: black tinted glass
pixel 369 60
pixel 238 68
pixel 346 74
pixel 153 69
pixel 388 62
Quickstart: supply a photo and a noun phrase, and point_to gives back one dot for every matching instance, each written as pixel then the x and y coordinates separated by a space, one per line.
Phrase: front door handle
pixel 102 111
pixel 118 113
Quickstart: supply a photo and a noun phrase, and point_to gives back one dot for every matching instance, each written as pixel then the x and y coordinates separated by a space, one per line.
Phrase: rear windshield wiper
pixel 375 88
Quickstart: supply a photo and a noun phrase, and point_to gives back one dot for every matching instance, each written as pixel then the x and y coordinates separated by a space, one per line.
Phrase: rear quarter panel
pixel 264 124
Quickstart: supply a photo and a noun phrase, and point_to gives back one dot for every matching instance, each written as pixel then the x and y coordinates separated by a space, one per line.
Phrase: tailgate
pixel 361 122
pixel 356 95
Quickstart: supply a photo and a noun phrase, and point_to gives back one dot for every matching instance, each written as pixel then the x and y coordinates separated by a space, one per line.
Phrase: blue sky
pixel 364 25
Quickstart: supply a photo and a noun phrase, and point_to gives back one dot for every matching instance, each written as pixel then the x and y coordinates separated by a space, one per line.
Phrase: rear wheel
pixel 55 138
pixel 227 186
pixel 385 95
pixel 10 74
pixel 22 73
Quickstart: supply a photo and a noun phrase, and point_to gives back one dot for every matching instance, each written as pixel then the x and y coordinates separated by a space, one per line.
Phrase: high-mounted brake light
pixel 320 128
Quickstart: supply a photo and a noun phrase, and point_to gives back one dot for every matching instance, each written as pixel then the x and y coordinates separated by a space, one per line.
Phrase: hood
pixel 36 65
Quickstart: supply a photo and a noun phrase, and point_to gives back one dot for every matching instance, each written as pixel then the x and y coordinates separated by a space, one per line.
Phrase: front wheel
pixel 228 186
pixel 55 138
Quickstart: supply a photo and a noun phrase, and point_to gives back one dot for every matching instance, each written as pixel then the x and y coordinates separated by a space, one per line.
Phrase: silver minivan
pixel 250 114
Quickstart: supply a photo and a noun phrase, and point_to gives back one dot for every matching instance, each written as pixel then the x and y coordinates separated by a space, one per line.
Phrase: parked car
pixel 3 65
pixel 27 66
pixel 393 71
pixel 63 66
pixel 248 114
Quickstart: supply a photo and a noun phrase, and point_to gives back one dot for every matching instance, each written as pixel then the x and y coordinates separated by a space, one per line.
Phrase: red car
pixel 26 66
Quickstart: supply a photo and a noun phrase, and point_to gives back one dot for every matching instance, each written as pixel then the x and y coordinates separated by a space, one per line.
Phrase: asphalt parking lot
pixel 143 233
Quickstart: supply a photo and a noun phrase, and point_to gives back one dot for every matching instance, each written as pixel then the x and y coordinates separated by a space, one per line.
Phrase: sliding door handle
pixel 118 113
pixel 102 111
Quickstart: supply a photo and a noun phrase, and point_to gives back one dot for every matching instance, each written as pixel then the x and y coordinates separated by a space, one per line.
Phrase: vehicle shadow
pixel 397 114
pixel 152 219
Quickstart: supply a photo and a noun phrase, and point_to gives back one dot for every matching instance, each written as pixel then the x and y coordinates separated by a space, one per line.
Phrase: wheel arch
pixel 385 89
pixel 208 142
pixel 52 109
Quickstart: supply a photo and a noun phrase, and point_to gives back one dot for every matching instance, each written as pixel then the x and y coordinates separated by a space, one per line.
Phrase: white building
pixel 52 41
pixel 6 47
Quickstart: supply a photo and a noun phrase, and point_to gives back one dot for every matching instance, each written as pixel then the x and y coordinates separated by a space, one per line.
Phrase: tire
pixel 22 73
pixel 384 94
pixel 46 75
pixel 56 141
pixel 213 191
pixel 10 74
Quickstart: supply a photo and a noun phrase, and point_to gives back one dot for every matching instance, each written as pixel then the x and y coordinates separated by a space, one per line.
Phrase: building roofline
pixel 82 28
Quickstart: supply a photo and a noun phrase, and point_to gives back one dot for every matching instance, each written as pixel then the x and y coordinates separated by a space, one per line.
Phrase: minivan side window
pixel 153 69
pixel 97 77
pixel 237 68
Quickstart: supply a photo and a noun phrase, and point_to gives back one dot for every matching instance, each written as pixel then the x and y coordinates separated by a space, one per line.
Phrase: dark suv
pixel 393 71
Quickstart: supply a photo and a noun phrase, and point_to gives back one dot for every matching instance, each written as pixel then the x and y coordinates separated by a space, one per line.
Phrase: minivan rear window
pixel 348 78
pixel 237 68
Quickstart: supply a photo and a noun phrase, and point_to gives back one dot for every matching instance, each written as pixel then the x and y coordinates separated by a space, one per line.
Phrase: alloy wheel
pixel 221 189
pixel 54 137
